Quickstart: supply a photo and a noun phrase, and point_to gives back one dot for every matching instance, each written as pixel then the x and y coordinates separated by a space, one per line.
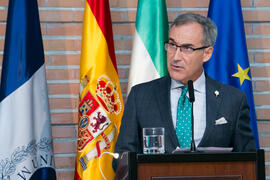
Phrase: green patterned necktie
pixel 183 120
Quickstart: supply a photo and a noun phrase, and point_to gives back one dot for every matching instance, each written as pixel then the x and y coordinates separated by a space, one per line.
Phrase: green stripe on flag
pixel 152 27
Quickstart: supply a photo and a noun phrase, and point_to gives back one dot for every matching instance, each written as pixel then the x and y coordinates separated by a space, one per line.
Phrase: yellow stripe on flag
pixel 101 104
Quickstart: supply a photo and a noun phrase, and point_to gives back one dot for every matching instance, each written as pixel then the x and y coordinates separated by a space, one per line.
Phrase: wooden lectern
pixel 192 166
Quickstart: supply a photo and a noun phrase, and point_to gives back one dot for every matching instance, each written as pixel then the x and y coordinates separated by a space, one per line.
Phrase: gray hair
pixel 209 27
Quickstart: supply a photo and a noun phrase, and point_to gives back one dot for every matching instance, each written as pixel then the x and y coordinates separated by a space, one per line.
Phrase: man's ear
pixel 207 53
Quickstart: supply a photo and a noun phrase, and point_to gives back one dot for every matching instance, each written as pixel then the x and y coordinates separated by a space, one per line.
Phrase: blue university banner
pixel 25 132
pixel 229 62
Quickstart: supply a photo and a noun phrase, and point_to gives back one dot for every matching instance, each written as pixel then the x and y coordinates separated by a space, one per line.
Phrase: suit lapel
pixel 213 101
pixel 163 98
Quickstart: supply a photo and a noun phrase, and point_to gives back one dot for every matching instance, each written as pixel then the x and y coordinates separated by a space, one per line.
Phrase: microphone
pixel 191 100
pixel 115 156
pixel 191 91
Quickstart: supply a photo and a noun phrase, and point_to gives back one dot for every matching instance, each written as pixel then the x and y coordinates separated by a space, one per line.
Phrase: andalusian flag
pixel 101 105
pixel 148 59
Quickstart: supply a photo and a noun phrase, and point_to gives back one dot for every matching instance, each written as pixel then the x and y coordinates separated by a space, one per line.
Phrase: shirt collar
pixel 199 84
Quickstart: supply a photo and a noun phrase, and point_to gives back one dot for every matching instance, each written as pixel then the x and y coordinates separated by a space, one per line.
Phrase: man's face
pixel 183 67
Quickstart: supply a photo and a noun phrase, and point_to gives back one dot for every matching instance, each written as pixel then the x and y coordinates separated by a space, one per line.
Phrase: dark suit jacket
pixel 148 105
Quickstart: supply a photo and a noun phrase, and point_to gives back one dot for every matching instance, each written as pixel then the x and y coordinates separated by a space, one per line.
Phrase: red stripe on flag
pixel 76 175
pixel 101 11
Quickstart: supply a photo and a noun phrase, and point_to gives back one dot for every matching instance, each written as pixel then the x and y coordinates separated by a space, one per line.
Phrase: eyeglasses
pixel 172 48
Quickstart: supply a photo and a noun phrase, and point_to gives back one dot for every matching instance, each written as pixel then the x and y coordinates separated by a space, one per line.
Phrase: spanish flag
pixel 101 104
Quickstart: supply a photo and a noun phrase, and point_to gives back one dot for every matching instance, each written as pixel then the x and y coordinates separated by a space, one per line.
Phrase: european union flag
pixel 229 63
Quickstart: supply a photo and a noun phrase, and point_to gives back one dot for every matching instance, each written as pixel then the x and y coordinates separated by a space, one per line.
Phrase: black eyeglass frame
pixel 180 47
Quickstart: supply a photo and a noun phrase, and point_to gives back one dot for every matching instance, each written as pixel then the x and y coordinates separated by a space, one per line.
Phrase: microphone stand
pixel 192 144
pixel 191 100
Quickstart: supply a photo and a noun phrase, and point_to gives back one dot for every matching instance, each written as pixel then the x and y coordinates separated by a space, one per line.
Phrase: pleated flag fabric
pixel 25 124
pixel 229 62
pixel 149 60
pixel 101 104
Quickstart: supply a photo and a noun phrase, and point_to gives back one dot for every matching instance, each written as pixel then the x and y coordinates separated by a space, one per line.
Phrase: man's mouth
pixel 177 66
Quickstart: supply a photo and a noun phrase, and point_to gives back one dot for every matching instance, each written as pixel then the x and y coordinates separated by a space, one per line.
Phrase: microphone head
pixel 191 91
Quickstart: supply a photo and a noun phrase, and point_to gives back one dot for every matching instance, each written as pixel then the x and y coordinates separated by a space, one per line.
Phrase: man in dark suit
pixel 221 112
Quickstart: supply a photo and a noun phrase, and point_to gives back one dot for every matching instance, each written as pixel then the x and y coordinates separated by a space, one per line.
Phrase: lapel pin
pixel 216 93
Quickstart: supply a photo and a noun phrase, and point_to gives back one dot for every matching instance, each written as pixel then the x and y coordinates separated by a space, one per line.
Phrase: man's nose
pixel 178 54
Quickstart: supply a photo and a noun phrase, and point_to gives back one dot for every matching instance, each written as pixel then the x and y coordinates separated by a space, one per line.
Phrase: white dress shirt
pixel 199 106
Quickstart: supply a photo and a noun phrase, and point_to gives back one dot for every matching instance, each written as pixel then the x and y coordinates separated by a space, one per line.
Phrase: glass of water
pixel 153 140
